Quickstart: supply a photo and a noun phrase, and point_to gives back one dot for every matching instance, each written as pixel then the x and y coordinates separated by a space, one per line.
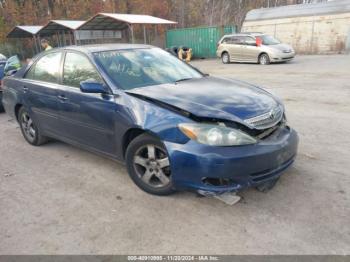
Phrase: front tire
pixel 30 129
pixel 225 58
pixel 148 165
pixel 267 186
pixel 264 59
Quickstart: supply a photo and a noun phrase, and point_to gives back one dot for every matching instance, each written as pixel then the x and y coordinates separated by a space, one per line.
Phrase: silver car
pixel 254 48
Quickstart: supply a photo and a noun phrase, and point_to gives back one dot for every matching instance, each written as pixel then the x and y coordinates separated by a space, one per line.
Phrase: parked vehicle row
pixel 174 127
pixel 253 48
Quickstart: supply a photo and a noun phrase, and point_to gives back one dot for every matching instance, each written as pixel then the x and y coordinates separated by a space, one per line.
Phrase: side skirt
pixel 85 147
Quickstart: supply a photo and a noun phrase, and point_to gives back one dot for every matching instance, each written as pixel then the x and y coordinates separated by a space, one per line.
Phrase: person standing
pixel 45 44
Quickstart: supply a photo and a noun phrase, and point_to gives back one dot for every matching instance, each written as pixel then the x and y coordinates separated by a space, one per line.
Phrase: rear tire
pixel 148 165
pixel 30 129
pixel 267 186
pixel 225 58
pixel 264 59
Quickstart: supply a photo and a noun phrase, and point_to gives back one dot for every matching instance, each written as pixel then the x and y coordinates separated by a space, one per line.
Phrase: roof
pixel 112 21
pixel 59 25
pixel 246 34
pixel 105 47
pixel 23 31
pixel 323 8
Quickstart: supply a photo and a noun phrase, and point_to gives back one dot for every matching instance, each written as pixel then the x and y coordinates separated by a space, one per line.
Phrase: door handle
pixel 62 98
pixel 25 89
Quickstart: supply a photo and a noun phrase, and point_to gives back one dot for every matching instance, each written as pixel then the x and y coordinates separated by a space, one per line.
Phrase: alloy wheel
pixel 152 165
pixel 264 60
pixel 225 58
pixel 28 127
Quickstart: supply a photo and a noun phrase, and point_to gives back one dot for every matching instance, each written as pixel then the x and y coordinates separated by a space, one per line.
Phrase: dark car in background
pixel 2 74
pixel 7 67
pixel 174 127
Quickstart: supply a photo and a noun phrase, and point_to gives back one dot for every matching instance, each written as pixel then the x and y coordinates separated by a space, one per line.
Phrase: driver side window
pixel 47 69
pixel 78 68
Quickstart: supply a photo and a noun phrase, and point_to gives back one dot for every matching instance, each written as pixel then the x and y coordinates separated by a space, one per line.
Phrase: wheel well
pixel 263 53
pixel 130 135
pixel 17 108
pixel 224 52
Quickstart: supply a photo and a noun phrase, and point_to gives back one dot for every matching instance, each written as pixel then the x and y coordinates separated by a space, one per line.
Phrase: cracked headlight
pixel 216 135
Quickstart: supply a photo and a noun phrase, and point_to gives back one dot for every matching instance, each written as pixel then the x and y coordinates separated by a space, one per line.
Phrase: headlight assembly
pixel 216 135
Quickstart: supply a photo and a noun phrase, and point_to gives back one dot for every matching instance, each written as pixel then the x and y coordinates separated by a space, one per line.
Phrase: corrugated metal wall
pixel 202 40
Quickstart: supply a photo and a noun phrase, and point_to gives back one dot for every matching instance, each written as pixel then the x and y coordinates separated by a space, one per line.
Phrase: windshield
pixel 269 40
pixel 134 68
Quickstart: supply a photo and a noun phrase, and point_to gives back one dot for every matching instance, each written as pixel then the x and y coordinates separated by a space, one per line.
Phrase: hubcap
pixel 152 165
pixel 28 127
pixel 263 60
pixel 225 58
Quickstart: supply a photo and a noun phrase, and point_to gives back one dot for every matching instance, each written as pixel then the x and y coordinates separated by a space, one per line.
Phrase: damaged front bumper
pixel 215 170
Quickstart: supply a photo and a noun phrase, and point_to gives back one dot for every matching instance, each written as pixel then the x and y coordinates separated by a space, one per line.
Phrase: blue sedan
pixel 174 127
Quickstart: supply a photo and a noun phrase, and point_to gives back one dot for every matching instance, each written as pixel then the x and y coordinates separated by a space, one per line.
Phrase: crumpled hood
pixel 213 97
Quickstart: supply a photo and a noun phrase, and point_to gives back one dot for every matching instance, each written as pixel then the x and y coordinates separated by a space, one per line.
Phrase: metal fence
pixel 202 40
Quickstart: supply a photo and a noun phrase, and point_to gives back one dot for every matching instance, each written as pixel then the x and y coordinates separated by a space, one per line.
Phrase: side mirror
pixel 93 87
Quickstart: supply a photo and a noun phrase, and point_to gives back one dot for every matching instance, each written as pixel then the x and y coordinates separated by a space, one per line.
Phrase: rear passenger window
pixel 233 40
pixel 77 68
pixel 47 68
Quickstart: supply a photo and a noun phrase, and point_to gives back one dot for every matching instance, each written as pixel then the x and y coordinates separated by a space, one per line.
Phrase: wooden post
pixel 64 38
pixel 35 45
pixel 39 42
pixel 75 37
pixel 132 33
pixel 144 35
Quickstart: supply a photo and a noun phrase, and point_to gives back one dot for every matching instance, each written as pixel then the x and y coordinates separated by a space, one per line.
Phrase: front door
pixel 89 119
pixel 40 92
pixel 250 51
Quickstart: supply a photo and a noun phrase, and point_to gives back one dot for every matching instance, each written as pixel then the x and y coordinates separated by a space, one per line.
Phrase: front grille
pixel 266 120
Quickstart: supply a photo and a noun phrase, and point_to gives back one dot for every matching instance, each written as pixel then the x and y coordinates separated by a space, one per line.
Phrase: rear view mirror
pixel 91 86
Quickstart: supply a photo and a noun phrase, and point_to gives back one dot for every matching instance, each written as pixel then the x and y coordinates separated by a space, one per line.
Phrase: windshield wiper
pixel 183 79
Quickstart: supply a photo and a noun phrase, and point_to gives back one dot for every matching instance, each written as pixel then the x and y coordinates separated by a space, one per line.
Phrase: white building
pixel 310 28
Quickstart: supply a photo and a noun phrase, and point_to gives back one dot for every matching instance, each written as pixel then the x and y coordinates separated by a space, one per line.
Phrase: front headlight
pixel 216 135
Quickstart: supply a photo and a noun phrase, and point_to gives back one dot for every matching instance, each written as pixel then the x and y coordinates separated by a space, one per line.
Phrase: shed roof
pixel 323 8
pixel 59 25
pixel 112 21
pixel 23 31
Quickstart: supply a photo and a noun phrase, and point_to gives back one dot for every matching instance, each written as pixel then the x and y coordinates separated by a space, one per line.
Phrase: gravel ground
pixel 58 199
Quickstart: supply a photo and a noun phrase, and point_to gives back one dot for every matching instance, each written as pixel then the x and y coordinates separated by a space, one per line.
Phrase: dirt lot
pixel 60 199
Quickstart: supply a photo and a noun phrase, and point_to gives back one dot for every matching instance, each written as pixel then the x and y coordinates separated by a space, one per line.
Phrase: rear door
pixel 89 119
pixel 235 47
pixel 40 91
